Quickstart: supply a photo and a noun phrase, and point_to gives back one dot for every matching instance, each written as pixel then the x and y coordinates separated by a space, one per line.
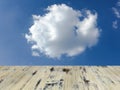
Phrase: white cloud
pixel 115 24
pixel 118 3
pixel 34 53
pixel 116 11
pixel 63 31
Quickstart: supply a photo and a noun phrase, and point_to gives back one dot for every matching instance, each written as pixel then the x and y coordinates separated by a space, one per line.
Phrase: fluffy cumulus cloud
pixel 116 11
pixel 63 31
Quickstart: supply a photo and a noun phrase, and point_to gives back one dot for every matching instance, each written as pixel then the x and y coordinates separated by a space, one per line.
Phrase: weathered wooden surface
pixel 60 78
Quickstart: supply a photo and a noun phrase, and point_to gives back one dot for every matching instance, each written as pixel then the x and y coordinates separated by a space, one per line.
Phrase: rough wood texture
pixel 60 78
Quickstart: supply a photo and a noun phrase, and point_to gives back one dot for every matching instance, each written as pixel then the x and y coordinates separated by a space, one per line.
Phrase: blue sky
pixel 16 19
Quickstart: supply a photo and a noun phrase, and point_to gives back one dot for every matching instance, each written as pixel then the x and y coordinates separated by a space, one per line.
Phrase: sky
pixel 59 32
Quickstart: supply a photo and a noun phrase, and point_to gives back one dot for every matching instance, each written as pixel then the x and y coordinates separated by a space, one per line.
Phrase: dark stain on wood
pixel 38 82
pixel 1 80
pixel 85 80
pixel 52 69
pixel 66 70
pixel 34 73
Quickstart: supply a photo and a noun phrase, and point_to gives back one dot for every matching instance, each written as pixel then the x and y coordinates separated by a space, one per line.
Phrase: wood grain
pixel 60 78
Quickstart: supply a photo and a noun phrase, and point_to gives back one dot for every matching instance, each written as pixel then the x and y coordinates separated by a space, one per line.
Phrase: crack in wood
pixel 38 82
pixel 34 73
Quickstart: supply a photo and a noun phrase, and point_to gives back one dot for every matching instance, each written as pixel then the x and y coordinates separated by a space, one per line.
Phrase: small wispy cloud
pixel 63 31
pixel 115 24
pixel 116 11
